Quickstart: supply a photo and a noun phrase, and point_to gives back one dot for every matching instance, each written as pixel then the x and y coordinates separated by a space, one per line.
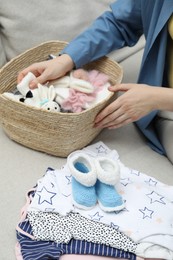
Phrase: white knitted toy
pixel 42 97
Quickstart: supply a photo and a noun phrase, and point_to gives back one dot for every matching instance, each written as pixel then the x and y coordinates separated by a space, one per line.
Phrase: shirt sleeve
pixel 115 29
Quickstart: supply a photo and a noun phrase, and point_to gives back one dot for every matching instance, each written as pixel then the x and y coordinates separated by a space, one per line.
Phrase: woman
pixel 146 103
pixel 140 103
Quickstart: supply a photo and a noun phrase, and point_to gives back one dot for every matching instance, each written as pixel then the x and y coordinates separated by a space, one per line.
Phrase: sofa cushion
pixel 24 24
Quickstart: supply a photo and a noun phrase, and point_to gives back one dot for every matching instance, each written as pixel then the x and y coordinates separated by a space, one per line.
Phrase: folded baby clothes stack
pixel 134 220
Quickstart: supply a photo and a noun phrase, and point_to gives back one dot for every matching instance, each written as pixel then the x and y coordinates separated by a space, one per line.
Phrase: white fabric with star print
pixel 147 217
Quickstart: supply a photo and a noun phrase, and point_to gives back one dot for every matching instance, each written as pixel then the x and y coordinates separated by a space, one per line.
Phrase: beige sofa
pixel 24 24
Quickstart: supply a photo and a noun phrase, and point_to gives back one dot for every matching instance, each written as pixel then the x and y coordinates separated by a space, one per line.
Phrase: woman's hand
pixel 48 70
pixel 136 101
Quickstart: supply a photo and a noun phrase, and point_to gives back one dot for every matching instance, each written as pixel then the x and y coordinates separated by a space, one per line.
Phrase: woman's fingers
pixel 112 121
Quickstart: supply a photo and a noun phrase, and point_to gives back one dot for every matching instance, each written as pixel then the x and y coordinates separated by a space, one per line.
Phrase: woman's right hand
pixel 48 70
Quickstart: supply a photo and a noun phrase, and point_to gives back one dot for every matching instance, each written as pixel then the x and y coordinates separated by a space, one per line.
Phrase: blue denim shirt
pixel 122 26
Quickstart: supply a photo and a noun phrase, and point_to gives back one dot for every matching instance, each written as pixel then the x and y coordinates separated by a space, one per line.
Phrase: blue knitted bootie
pixel 108 174
pixel 84 177
pixel 108 198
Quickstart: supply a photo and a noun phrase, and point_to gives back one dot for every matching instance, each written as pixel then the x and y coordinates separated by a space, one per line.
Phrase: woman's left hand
pixel 136 101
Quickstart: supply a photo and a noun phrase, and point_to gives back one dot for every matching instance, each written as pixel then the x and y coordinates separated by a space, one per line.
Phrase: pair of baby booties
pixel 94 180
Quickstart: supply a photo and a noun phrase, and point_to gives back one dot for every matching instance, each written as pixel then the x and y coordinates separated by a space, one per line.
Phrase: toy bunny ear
pixel 42 91
pixel 51 93
pixel 46 93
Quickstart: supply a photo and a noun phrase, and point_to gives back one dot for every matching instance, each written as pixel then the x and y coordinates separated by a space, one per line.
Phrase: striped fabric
pixel 48 250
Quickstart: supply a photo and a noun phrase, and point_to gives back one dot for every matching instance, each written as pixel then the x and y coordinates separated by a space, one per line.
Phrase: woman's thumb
pixel 115 88
pixel 120 87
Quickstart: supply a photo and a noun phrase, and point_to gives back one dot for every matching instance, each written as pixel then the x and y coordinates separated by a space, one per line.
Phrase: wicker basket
pixel 54 133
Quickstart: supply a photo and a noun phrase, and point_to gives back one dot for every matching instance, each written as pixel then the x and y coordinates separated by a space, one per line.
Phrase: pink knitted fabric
pixel 18 253
pixel 81 74
pixel 77 100
pixel 97 79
